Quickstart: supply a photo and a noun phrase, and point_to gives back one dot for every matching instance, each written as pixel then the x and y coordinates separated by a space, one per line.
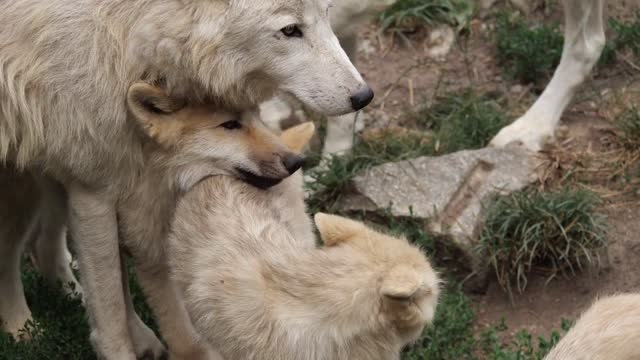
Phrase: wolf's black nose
pixel 292 163
pixel 362 99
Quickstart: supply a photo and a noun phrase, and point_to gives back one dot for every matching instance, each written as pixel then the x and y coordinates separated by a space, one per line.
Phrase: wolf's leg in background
pixel 94 228
pixel 19 199
pixel 341 129
pixel 146 344
pixel 583 43
pixel 50 252
pixel 176 328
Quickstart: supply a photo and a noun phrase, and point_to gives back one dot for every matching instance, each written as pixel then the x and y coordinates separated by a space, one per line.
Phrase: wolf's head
pixel 247 50
pixel 202 141
pixel 406 285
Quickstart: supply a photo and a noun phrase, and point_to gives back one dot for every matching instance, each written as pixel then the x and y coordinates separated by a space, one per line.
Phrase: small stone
pixel 440 42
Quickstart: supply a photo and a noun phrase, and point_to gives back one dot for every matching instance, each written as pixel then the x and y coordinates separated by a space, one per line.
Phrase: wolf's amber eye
pixel 232 125
pixel 292 31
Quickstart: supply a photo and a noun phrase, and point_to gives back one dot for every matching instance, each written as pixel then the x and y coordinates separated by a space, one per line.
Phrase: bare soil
pixel 404 82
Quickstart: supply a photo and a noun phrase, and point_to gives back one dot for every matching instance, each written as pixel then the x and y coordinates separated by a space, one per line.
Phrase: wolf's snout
pixel 362 98
pixel 292 162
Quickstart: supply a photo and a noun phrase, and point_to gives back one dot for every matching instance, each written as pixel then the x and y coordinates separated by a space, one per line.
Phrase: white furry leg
pixel 93 225
pixel 583 42
pixel 14 312
pixel 175 325
pixel 50 252
pixel 19 199
pixel 340 133
pixel 145 343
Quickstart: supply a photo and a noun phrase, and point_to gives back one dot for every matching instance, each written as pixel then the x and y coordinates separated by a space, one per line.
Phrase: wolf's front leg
pixel 175 325
pixel 94 227
pixel 50 252
pixel 583 43
pixel 147 346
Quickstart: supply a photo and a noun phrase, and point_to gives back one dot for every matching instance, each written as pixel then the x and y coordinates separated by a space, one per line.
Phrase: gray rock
pixel 451 191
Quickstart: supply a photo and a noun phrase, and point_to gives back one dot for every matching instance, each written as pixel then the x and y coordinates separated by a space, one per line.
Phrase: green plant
pixel 627 36
pixel 522 347
pixel 463 121
pixel 556 231
pixel 529 55
pixel 629 124
pixel 402 12
pixel 61 328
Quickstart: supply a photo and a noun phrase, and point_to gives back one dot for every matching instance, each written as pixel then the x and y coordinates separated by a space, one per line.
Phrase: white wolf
pixel 583 43
pixel 257 287
pixel 65 67
pixel 609 329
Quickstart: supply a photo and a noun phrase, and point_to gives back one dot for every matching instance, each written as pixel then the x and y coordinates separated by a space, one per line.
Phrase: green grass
pixel 456 13
pixel 61 329
pixel 629 124
pixel 531 54
pixel 463 121
pixel 528 55
pixel 626 37
pixel 522 347
pixel 558 231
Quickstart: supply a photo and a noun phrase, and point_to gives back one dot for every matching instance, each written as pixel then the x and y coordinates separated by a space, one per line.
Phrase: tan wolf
pixel 257 287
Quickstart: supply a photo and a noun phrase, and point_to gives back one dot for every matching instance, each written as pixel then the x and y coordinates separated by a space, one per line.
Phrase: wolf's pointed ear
pixel 298 137
pixel 149 104
pixel 336 229
pixel 401 283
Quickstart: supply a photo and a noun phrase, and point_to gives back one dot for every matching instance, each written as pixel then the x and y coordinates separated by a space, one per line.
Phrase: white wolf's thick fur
pixel 584 41
pixel 608 330
pixel 66 65
pixel 257 287
pixel 184 143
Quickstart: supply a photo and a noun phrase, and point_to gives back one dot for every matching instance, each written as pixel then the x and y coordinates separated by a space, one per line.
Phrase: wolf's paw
pixel 145 343
pixel 14 322
pixel 14 311
pixel 525 133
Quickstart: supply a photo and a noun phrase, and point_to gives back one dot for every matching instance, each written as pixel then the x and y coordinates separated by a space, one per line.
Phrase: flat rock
pixel 450 191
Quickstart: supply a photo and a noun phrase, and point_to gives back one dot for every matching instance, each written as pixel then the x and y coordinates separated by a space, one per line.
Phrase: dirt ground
pixel 404 81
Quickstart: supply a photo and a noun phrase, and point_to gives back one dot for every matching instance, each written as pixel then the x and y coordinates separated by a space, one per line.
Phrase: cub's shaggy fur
pixel 257 287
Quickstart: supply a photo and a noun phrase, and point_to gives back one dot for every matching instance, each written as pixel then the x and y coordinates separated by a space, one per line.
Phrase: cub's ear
pixel 298 137
pixel 336 229
pixel 150 106
pixel 401 283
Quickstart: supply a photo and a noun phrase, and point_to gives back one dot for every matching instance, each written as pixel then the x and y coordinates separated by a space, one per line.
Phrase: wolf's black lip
pixel 258 181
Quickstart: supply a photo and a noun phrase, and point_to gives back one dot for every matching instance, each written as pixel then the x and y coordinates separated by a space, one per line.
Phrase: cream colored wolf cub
pixel 257 287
